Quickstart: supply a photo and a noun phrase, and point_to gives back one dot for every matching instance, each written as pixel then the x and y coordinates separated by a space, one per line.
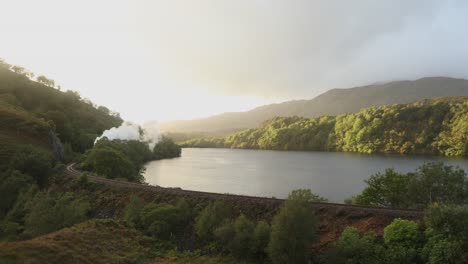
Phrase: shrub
pixel 211 217
pixel 403 240
pixel 34 162
pixel 447 234
pixel 354 248
pixel 164 221
pixel 133 212
pixel 166 148
pixel 293 230
pixel 49 212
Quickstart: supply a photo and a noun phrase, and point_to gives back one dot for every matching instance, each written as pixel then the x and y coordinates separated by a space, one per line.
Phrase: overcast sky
pixel 161 60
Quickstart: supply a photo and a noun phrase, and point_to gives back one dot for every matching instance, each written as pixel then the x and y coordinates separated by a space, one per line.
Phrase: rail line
pixel 71 171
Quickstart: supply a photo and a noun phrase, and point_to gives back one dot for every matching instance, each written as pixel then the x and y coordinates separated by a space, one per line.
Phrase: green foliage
pixel 210 218
pixel 162 221
pixel 354 248
pixel 126 158
pixel 305 195
pixel 242 238
pixel 293 230
pixel 117 159
pixel 166 148
pixel 11 186
pixel 37 106
pixel 447 234
pixel 432 182
pixel 242 242
pixel 429 127
pixel 34 162
pixel 49 212
pixel 133 212
pixel 109 163
pixel 403 240
pixel 261 238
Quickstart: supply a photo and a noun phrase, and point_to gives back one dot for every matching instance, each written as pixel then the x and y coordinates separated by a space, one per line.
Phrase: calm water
pixel 335 176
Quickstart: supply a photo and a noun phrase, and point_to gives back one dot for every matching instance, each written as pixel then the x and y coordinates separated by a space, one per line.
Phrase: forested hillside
pixel 332 102
pixel 437 126
pixel 29 110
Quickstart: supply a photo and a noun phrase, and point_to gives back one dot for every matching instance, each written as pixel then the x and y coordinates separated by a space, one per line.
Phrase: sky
pixel 174 59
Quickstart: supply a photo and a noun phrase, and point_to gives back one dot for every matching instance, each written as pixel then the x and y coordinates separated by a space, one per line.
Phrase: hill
pixel 77 244
pixel 438 126
pixel 332 102
pixel 34 113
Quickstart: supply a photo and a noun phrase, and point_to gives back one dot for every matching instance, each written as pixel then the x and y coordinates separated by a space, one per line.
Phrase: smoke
pixel 148 133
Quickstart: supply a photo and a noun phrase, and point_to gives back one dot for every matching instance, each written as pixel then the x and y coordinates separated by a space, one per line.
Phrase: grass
pixel 94 241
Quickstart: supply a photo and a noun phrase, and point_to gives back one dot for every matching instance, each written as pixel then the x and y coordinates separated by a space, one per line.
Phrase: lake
pixel 333 175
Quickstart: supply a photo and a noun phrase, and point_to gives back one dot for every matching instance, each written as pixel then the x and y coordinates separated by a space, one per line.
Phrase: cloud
pixel 298 48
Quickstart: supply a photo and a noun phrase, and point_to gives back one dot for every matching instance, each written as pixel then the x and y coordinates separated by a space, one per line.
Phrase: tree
pixel 403 240
pixel 432 182
pixel 446 234
pixel 34 162
pixel 242 242
pixel 165 221
pixel 437 182
pixel 166 148
pixel 388 189
pixel 211 217
pixel 261 238
pixel 45 81
pixel 11 185
pixel 49 212
pixel 293 229
pixel 133 211
pixel 354 248
pixel 110 163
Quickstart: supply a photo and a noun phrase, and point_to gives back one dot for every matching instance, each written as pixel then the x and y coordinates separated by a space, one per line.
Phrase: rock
pixel 57 146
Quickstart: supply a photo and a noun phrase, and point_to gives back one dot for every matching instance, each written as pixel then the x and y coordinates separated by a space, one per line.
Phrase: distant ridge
pixel 332 102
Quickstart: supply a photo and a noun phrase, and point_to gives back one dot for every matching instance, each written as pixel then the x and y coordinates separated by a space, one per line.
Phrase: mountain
pixel 332 102
pixel 433 126
pixel 32 113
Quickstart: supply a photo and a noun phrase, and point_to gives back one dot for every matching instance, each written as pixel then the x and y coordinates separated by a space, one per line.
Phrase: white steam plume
pixel 148 133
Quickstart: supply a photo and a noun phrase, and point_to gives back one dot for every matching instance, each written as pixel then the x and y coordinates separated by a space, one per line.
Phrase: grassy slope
pixel 95 241
pixel 18 127
pixel 28 107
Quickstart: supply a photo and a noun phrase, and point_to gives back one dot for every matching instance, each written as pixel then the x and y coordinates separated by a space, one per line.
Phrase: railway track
pixel 412 213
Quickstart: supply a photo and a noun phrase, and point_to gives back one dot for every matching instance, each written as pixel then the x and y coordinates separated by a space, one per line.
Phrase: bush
pixel 293 229
pixel 49 212
pixel 11 185
pixel 432 182
pixel 162 221
pixel 34 162
pixel 403 240
pixel 447 234
pixel 133 212
pixel 110 163
pixel 211 217
pixel 354 248
pixel 261 238
pixel 166 148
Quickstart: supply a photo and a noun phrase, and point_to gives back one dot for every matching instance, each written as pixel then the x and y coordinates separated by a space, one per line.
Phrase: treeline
pixel 218 229
pixel 438 127
pixel 76 120
pixel 125 159
pixel 28 206
pixel 431 183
